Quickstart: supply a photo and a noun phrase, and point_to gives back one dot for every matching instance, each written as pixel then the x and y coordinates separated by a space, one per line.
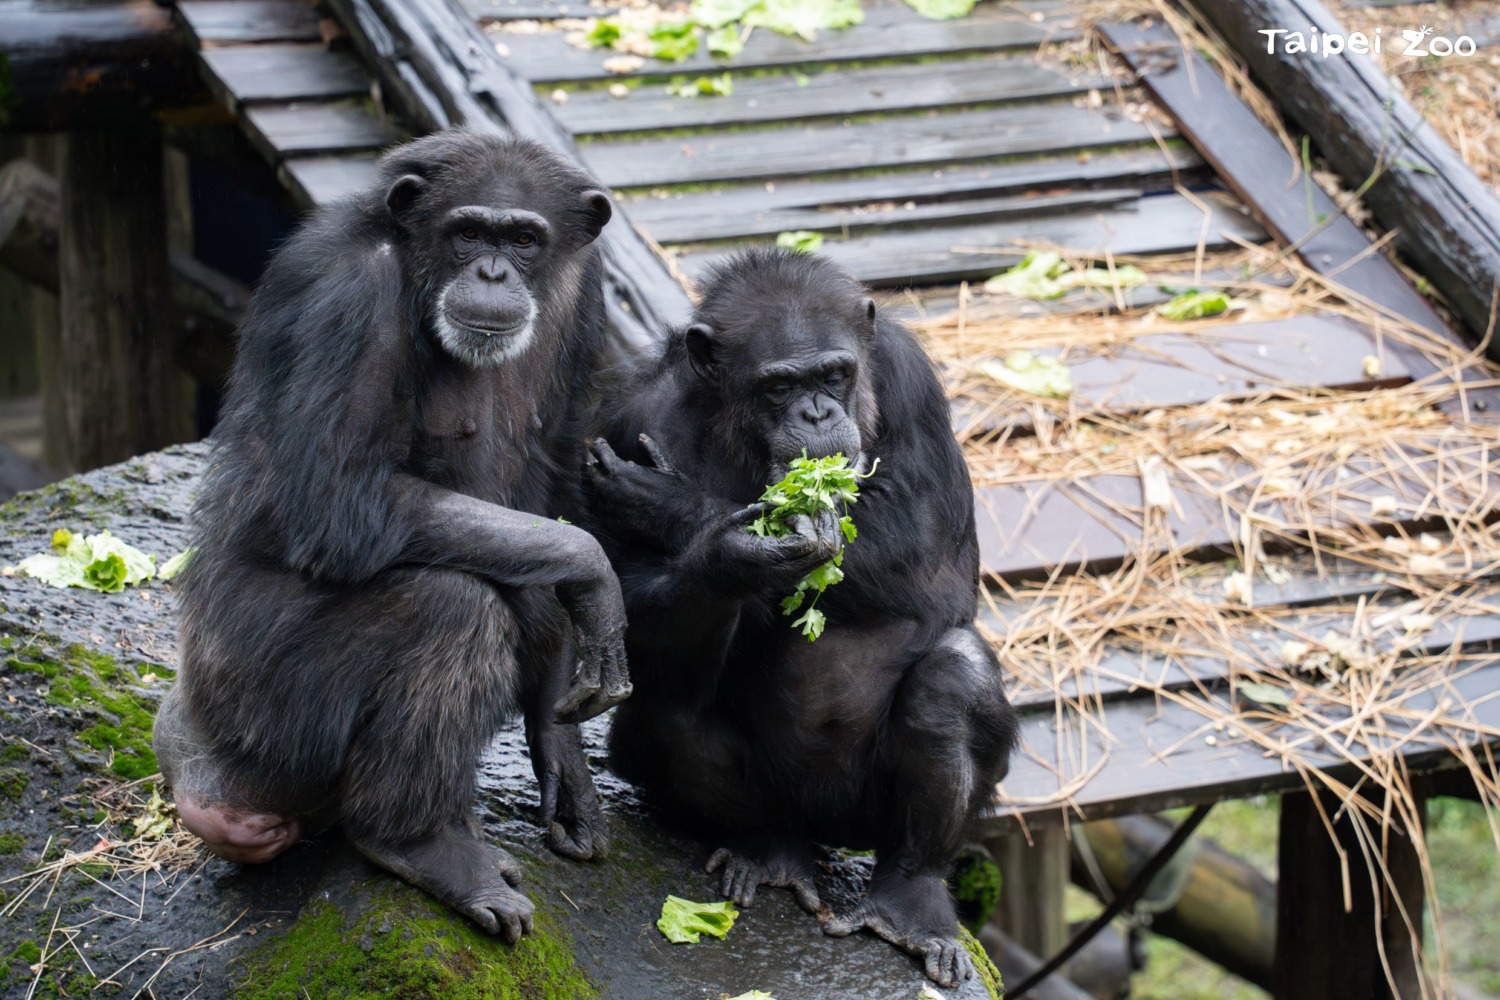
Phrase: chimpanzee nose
pixel 814 412
pixel 493 269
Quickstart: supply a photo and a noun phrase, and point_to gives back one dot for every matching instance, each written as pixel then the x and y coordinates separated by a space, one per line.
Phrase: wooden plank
pixel 286 130
pixel 1154 225
pixel 1194 366
pixel 702 215
pixel 890 31
pixel 1253 163
pixel 533 10
pixel 317 180
pixel 1155 757
pixel 1120 671
pixel 1337 934
pixel 831 93
pixel 1028 530
pixel 241 21
pixel 890 214
pixel 900 141
pixel 261 73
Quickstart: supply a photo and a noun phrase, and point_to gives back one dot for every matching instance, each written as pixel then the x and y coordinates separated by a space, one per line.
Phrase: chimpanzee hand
pixel 648 498
pixel 735 557
pixel 602 678
pixel 570 805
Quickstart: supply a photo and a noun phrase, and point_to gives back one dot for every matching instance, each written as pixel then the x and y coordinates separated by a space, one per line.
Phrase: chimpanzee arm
pixel 515 549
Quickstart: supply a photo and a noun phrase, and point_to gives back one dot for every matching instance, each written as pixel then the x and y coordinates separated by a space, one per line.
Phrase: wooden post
pixel 1034 878
pixel 1323 948
pixel 114 364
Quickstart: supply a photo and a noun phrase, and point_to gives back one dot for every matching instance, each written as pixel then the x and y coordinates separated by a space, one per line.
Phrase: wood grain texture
pixel 1030 129
pixel 317 180
pixel 951 253
pixel 244 21
pixel 286 130
pixel 261 73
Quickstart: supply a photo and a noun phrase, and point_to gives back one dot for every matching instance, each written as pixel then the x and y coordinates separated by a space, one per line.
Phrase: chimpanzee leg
pixel 209 806
pixel 448 683
pixel 950 733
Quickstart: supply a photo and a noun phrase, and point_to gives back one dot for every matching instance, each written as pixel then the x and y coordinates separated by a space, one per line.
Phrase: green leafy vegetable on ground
pixel 726 42
pixel 719 13
pixel 684 921
pixel 812 486
pixel 674 41
pixel 98 562
pixel 804 18
pixel 754 995
pixel 175 565
pixel 942 10
pixel 604 33
pixel 1043 274
pixel 704 86
pixel 800 240
pixel 1038 374
pixel 1195 304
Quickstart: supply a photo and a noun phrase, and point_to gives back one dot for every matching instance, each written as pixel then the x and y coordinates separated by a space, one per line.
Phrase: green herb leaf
pixel 683 921
pixel 1125 276
pixel 804 18
pixel 1194 305
pixel 704 86
pixel 800 240
pixel 941 10
pixel 175 564
pixel 811 623
pixel 1033 278
pixel 1265 694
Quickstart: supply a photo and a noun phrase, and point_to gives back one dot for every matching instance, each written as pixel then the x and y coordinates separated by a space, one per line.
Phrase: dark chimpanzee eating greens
pixel 891 730
pixel 380 581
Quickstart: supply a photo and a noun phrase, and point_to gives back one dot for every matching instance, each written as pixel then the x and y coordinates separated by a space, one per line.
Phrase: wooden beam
pixel 207 305
pixel 114 366
pixel 1448 221
pixel 442 69
pixel 1343 928
pixel 1034 879
pixel 78 65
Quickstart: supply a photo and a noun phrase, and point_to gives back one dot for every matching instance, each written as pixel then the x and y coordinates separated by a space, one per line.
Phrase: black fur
pixel 890 731
pixel 380 582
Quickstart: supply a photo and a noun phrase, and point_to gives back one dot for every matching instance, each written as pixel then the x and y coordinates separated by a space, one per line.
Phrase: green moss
pixel 11 843
pixel 406 946
pixel 14 754
pixel 27 951
pixel 983 967
pixel 120 723
pixel 976 889
pixel 13 782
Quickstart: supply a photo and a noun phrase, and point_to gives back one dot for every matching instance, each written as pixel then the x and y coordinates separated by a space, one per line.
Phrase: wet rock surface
pixel 82 673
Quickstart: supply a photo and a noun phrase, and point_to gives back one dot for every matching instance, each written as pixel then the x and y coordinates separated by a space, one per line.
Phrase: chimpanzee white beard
pixel 482 348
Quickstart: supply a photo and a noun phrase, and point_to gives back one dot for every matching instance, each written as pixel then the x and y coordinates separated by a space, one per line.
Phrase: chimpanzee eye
pixel 834 380
pixel 777 392
pixel 471 234
pixel 524 239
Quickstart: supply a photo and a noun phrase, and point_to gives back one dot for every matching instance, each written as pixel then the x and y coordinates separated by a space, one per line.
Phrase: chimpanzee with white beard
pixel 888 732
pixel 380 580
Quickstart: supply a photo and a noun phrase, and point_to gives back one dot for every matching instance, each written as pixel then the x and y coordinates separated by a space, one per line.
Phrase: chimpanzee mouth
pixel 489 332
pixel 482 345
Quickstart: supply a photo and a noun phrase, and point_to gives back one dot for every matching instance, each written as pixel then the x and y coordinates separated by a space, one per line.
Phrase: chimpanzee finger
pixel 606 457
pixel 745 515
pixel 658 457
pixel 549 784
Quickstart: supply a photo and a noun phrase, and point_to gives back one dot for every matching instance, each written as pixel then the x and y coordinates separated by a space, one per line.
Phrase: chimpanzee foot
pixel 914 913
pixel 456 867
pixel 239 835
pixel 778 864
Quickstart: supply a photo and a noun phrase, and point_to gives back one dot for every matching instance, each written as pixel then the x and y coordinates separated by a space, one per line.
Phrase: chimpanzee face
pixel 794 378
pixel 494 249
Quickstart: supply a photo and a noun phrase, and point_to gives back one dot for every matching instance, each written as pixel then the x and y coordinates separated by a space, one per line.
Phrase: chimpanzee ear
pixel 404 194
pixel 597 212
pixel 869 307
pixel 702 351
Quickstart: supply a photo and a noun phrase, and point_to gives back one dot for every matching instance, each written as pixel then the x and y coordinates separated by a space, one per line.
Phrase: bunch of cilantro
pixel 812 486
